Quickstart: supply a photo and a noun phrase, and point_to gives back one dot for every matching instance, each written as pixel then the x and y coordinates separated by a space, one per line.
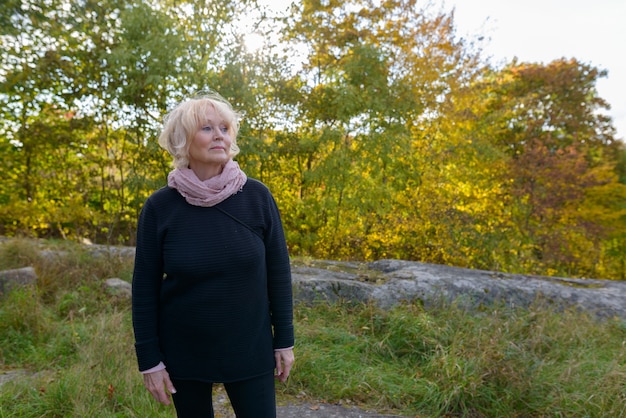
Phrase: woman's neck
pixel 205 172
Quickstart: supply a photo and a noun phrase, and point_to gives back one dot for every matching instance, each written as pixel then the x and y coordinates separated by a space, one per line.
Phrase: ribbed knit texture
pixel 211 299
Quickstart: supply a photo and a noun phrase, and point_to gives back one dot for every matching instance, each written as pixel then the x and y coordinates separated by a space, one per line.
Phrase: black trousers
pixel 252 398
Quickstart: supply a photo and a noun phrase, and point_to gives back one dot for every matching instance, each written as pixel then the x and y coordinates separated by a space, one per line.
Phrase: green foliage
pixel 380 132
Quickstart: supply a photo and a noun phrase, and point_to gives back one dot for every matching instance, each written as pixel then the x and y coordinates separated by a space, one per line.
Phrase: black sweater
pixel 211 297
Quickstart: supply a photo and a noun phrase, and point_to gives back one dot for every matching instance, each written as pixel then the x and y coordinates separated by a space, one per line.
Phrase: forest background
pixel 381 133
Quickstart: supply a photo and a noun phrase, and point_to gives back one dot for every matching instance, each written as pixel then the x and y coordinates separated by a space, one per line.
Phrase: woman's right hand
pixel 157 383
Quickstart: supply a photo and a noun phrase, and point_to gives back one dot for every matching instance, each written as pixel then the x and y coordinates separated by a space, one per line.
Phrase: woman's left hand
pixel 284 362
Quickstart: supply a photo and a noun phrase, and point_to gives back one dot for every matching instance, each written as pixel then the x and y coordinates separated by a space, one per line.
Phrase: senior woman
pixel 212 297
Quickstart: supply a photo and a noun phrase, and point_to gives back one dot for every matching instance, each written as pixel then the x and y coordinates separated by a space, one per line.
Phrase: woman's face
pixel 210 147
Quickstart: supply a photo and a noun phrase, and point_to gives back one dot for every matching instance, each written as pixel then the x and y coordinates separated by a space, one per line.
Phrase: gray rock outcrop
pixel 390 282
pixel 16 277
pixel 395 281
pixel 119 287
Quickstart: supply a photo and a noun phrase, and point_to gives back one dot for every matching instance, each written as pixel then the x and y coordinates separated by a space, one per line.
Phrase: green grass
pixel 448 362
pixel 75 340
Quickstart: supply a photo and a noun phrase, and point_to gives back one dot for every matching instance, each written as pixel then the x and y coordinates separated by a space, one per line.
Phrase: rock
pixel 325 410
pixel 97 250
pixel 94 250
pixel 472 289
pixel 118 287
pixel 9 375
pixel 10 279
pixel 312 284
pixel 390 282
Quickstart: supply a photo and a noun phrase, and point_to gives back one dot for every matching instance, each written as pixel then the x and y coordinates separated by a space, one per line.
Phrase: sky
pixel 593 32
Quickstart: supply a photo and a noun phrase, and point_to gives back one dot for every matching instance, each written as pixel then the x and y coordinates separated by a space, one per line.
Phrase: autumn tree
pixel 562 152
pixel 371 83
pixel 84 87
pixel 381 133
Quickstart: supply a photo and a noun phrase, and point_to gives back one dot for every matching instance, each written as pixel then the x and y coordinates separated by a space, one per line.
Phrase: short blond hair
pixel 181 124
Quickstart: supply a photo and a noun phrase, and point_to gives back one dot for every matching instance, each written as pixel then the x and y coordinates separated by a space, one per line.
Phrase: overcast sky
pixel 593 32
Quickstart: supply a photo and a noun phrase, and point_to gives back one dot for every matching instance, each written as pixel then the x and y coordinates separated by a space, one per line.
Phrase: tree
pixel 370 87
pixel 104 71
pixel 557 102
pixel 562 150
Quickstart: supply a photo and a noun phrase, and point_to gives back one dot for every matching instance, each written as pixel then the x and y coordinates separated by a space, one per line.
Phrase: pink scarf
pixel 208 192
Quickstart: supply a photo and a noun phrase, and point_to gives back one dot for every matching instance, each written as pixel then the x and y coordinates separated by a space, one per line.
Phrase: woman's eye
pixel 207 128
pixel 224 129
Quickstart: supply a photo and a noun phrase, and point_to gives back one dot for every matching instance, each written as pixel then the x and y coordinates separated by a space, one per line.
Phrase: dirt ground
pixel 299 409
pixel 323 410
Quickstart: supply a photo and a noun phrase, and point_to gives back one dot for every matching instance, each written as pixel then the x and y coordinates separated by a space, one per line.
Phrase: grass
pixel 75 340
pixel 447 362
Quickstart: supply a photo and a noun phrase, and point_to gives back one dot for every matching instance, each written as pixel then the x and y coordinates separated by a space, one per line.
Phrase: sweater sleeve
pixel 279 279
pixel 147 278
